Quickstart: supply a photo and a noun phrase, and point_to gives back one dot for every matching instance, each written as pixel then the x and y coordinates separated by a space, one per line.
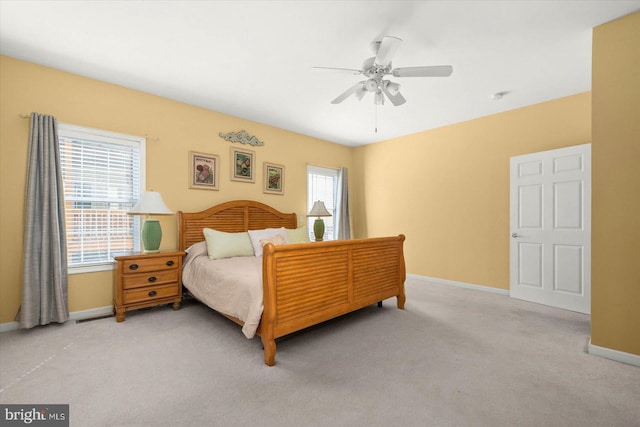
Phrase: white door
pixel 550 216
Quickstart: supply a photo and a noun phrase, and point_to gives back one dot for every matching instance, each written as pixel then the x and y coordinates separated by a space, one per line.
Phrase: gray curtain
pixel 44 272
pixel 343 217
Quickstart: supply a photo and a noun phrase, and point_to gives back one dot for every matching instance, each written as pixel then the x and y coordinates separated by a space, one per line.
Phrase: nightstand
pixel 145 280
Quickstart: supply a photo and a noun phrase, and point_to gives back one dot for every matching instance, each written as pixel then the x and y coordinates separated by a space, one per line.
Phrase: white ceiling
pixel 254 59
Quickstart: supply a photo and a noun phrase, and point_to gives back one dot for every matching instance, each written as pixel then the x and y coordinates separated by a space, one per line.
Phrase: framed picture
pixel 242 165
pixel 273 178
pixel 204 171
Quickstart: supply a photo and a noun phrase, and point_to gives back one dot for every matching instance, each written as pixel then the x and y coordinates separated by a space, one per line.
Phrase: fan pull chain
pixel 376 118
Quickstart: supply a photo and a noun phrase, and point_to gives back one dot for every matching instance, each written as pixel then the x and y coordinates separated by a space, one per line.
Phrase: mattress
pixel 232 286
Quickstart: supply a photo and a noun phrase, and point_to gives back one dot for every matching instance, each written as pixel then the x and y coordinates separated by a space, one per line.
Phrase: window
pixel 103 175
pixel 322 184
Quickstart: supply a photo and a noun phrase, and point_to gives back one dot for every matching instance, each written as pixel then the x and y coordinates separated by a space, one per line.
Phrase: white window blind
pixel 322 184
pixel 103 177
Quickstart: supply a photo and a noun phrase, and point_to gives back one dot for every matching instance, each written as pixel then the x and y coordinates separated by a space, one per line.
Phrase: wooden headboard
pixel 231 217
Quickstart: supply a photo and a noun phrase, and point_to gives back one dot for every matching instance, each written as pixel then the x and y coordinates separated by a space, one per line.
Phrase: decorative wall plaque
pixel 242 137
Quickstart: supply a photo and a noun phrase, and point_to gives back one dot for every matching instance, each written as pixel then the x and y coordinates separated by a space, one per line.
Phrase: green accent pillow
pixel 298 235
pixel 227 245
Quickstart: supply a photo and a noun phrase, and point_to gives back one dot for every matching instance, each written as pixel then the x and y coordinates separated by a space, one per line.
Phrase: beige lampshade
pixel 150 203
pixel 319 209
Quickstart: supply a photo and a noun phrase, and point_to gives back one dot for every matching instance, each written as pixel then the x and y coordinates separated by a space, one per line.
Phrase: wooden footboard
pixel 309 283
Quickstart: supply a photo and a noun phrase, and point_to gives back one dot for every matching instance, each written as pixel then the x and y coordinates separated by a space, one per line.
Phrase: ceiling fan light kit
pixel 371 85
pixel 379 66
pixel 379 99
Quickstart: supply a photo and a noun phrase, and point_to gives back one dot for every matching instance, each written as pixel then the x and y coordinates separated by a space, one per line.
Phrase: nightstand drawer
pixel 146 280
pixel 152 264
pixel 149 294
pixel 130 281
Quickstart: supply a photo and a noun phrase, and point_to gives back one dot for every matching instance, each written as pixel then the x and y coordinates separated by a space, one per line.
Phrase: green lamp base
pixel 318 229
pixel 151 236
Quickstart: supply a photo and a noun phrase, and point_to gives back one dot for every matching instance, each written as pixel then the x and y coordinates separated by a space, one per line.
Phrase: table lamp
pixel 151 203
pixel 318 210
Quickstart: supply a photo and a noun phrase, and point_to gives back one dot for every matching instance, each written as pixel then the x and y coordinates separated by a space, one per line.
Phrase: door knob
pixel 515 235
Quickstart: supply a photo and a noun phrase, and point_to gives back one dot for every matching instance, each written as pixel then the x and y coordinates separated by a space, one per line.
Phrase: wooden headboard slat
pixel 231 217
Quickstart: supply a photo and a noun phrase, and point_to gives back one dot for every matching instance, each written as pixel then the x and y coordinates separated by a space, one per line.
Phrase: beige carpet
pixel 454 357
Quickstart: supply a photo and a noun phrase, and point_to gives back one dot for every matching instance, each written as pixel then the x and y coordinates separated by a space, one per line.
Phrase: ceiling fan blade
pixel 387 50
pixel 347 70
pixel 429 71
pixel 353 89
pixel 396 99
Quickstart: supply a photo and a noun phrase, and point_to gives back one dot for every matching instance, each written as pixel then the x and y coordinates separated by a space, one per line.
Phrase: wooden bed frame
pixel 305 283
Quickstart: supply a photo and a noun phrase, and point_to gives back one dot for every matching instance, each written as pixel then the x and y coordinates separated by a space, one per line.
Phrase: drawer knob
pixel 133 266
pixel 152 279
pixel 152 293
pixel 170 263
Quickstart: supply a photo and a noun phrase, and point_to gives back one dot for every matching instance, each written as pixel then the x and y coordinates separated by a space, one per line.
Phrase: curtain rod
pixel 146 136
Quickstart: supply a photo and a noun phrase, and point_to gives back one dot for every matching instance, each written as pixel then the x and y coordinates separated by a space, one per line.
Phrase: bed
pixel 303 284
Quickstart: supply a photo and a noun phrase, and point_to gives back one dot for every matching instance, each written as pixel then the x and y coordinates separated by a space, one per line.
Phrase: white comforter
pixel 232 286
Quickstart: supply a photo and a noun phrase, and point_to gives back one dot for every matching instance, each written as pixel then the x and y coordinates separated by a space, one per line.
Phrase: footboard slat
pixel 305 284
pixel 298 296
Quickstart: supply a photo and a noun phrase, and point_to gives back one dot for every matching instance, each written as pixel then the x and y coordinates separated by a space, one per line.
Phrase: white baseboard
pixel 9 326
pixel 459 284
pixel 76 315
pixel 107 310
pixel 618 356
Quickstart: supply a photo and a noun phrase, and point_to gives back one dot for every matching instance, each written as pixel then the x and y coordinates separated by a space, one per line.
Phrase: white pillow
pixel 227 245
pixel 268 233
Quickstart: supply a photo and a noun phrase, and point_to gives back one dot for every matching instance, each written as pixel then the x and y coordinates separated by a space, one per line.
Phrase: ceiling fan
pixel 379 66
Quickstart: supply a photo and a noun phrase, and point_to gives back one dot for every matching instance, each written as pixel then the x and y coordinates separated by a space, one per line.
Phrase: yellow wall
pixel 447 189
pixel 26 87
pixel 615 314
